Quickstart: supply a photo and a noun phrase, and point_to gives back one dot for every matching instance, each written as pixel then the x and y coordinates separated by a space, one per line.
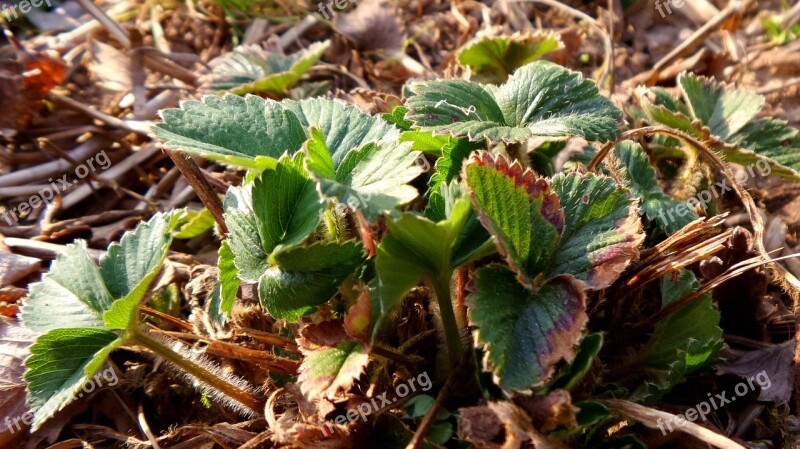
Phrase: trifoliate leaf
pixel 326 371
pixel 232 129
pixel 715 108
pixel 130 265
pixel 518 209
pixel 61 363
pixel 71 294
pixel 658 207
pixel 722 109
pixel 525 333
pixel 250 70
pixel 540 99
pixel 305 277
pixel 491 59
pixel 602 229
pixel 280 208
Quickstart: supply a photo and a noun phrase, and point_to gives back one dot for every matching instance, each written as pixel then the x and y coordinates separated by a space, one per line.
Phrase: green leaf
pixel 518 210
pixel 414 248
pixel 61 362
pixel 305 277
pixel 280 208
pixel 327 370
pixel 425 141
pixel 668 111
pixel 398 118
pixel 446 169
pixel 130 265
pixel 344 126
pixel 228 278
pixel 194 223
pixel 286 204
pixel 658 207
pixel 491 59
pixel 245 70
pixel 540 99
pixel 682 343
pixel 525 334
pixel 602 229
pixel 76 294
pixel 250 256
pixel 722 109
pixel 232 129
pixel 373 178
pixel 580 366
pixel 769 145
pixel 71 294
pixel 356 158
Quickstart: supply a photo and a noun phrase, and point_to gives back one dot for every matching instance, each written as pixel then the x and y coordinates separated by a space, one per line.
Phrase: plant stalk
pixel 245 398
pixel 441 285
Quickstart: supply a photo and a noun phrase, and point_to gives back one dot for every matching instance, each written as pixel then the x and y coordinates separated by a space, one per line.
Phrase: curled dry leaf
pixel 14 343
pixel 549 411
pixel 501 425
pixel 14 267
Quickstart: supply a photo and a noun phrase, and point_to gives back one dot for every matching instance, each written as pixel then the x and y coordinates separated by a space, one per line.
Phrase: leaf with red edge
pixel 326 371
pixel 525 333
pixel 518 209
pixel 358 318
pixel 602 229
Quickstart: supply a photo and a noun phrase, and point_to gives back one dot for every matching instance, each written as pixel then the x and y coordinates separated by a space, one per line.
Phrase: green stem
pixel 441 285
pixel 245 398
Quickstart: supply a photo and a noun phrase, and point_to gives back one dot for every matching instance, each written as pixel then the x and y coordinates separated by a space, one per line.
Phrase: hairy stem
pixel 441 285
pixel 245 398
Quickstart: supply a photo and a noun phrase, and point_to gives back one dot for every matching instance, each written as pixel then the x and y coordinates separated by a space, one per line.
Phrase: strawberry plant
pixel 85 311
pixel 522 271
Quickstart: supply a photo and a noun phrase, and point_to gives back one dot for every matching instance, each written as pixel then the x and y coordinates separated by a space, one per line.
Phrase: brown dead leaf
pixel 549 411
pixel 24 83
pixel 327 333
pixel 14 342
pixel 14 267
pixel 501 425
pixel 771 368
